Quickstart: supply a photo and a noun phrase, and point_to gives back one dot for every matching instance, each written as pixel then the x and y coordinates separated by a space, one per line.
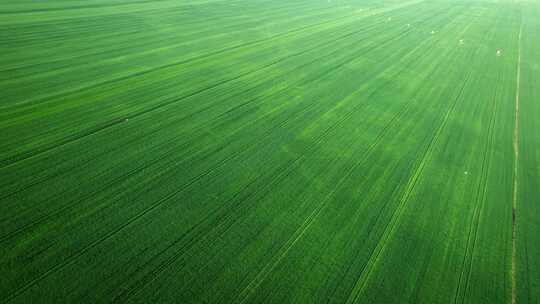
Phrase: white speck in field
pixel 408 25
pixel 432 32
pixel 499 52
pixel 466 172
pixel 389 18
pixel 127 119
pixel 461 41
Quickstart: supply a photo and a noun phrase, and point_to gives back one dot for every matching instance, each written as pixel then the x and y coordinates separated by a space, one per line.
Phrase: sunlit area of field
pixel 270 151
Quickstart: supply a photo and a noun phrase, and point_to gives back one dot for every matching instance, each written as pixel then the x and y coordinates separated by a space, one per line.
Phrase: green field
pixel 270 151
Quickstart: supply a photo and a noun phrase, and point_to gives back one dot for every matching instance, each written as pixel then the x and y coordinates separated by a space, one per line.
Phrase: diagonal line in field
pixel 10 160
pixel 413 181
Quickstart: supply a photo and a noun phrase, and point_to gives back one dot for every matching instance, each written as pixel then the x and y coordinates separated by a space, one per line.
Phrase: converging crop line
pixel 130 221
pixel 333 23
pixel 311 217
pixel 232 79
pixel 219 221
pixel 10 160
pixel 144 41
pixel 220 151
pixel 480 200
pixel 478 207
pixel 405 109
pixel 413 181
pixel 139 169
pixel 145 211
pixel 244 295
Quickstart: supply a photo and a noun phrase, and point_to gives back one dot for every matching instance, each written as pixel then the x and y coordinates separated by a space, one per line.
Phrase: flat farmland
pixel 270 151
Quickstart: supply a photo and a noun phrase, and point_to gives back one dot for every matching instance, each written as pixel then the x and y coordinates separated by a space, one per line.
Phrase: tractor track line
pixel 516 163
pixel 411 184
pixel 480 199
